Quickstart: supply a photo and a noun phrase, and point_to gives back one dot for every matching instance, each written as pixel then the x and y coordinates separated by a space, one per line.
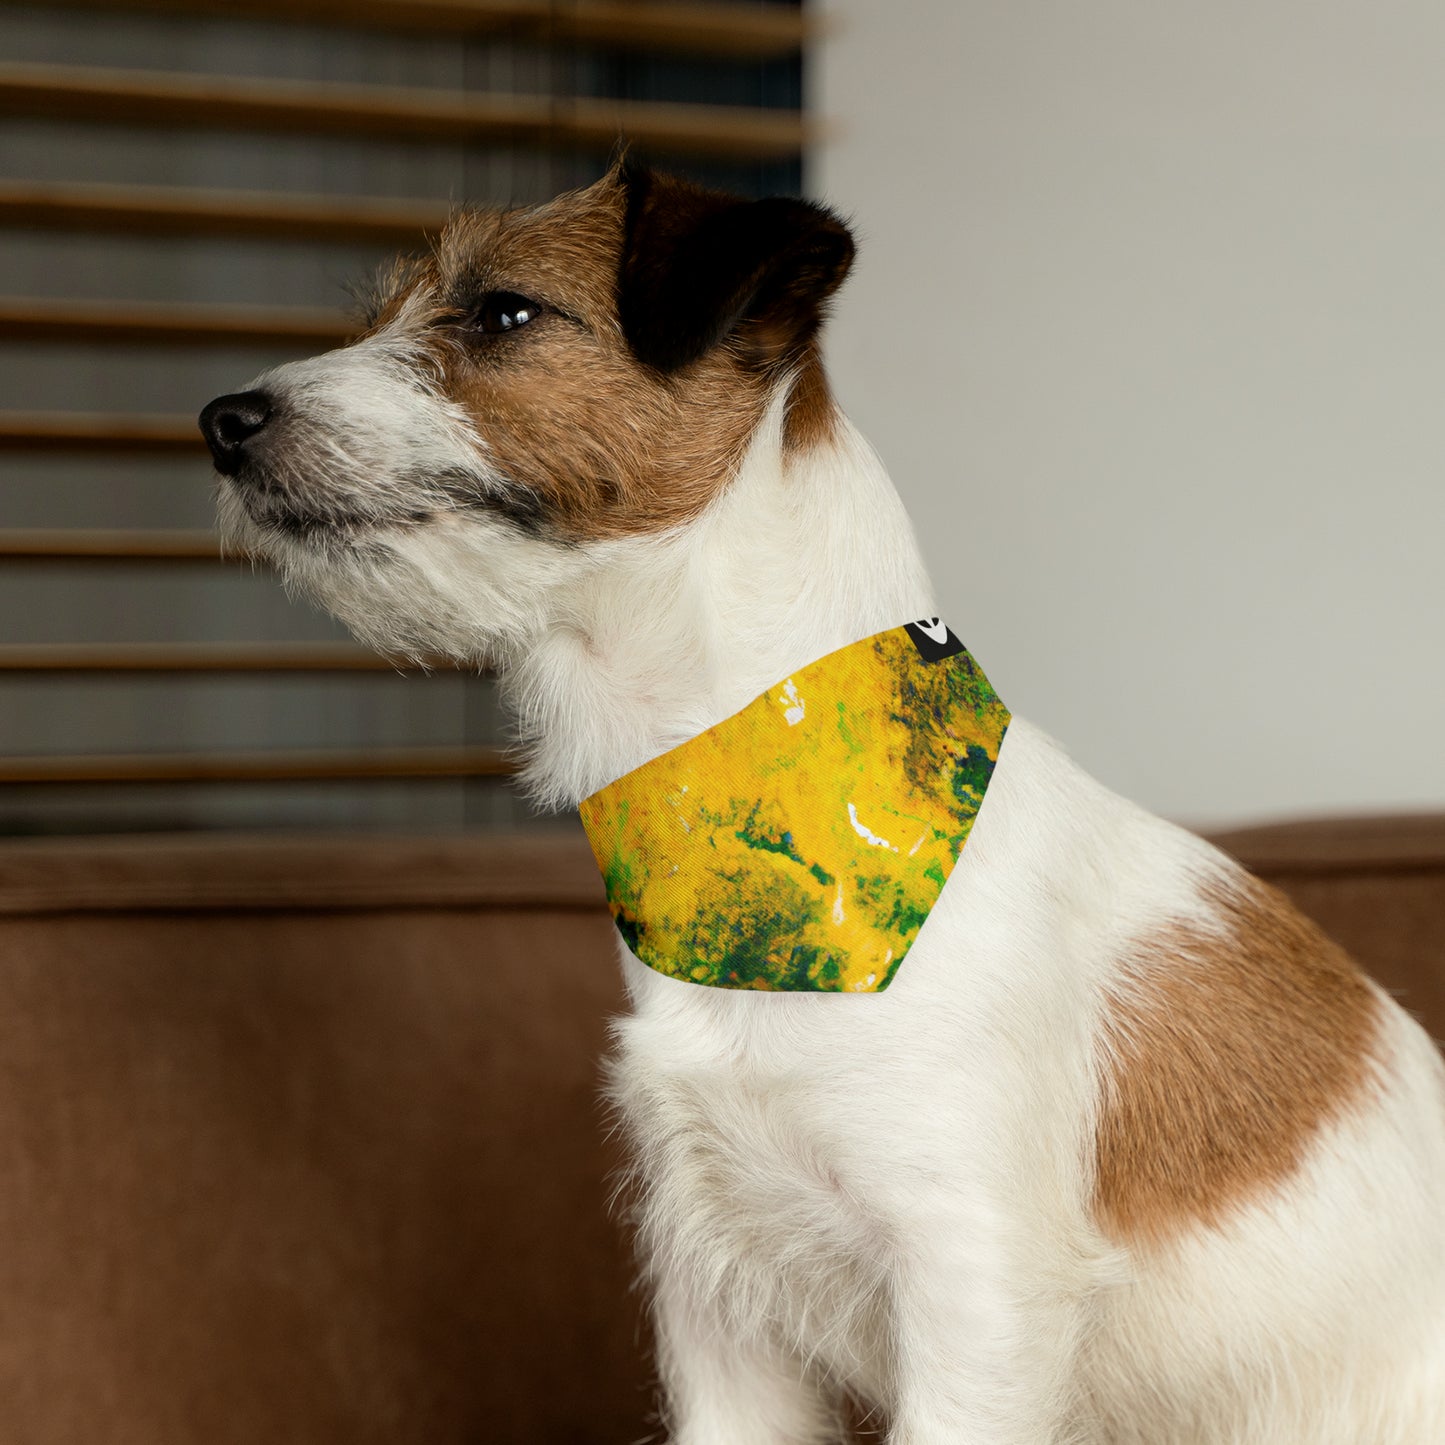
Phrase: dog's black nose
pixel 229 422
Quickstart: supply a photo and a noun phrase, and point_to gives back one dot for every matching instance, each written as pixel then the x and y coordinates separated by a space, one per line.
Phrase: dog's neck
pixel 804 553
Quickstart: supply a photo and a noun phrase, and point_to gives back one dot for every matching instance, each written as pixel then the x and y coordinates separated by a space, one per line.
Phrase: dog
pixel 1128 1153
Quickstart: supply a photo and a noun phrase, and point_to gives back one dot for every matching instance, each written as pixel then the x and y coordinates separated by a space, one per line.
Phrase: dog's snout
pixel 229 422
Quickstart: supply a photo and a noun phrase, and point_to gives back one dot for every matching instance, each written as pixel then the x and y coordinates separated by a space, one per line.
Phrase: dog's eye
pixel 504 311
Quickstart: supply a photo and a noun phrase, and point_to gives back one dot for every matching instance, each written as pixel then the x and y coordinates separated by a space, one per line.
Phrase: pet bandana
pixel 800 843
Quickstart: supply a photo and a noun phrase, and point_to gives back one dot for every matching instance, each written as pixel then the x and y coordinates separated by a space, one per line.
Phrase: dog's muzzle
pixel 230 422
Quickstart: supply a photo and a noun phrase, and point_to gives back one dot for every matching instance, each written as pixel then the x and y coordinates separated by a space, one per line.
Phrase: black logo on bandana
pixel 933 639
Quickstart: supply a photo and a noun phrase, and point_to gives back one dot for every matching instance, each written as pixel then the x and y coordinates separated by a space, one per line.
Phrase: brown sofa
pixel 301 1138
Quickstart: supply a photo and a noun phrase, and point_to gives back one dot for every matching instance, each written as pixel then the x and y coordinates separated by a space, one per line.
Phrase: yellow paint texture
pixel 801 843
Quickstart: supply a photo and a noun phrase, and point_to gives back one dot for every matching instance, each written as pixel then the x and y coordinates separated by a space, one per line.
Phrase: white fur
pixel 891 1194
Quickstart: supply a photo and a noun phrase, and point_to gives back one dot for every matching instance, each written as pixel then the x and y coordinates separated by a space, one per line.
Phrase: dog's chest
pixel 747 1182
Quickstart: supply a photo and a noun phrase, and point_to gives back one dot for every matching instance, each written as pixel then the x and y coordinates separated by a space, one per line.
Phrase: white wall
pixel 1149 324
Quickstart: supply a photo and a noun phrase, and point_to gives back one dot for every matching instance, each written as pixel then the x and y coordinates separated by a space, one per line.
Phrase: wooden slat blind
pixel 76 431
pixel 278 766
pixel 195 657
pixel 95 322
pixel 710 29
pixel 326 108
pixel 150 99
pixel 92 544
pixel 173 211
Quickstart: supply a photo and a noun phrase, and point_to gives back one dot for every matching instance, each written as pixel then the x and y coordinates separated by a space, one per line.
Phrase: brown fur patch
pixel 609 447
pixel 812 413
pixel 605 445
pixel 1226 1054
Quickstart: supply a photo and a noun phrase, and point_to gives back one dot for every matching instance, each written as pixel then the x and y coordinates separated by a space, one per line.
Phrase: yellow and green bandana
pixel 800 843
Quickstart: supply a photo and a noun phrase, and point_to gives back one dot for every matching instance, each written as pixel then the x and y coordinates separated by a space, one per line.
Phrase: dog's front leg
pixel 985 1348
pixel 720 1388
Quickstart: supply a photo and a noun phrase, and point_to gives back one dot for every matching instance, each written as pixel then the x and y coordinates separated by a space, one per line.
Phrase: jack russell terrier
pixel 1114 1148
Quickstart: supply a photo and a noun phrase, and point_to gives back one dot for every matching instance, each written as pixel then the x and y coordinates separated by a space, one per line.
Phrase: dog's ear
pixel 699 266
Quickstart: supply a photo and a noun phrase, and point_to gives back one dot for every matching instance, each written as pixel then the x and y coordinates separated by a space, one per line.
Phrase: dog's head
pixel 546 383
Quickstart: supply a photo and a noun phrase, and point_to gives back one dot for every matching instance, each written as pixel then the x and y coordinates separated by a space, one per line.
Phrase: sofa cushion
pixel 303 1138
